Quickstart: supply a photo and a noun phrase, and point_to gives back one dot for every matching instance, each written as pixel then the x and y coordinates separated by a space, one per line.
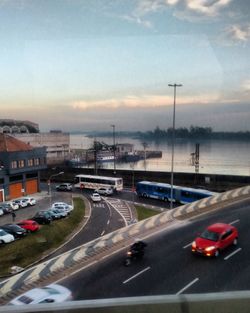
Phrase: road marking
pixel 134 276
pixel 187 286
pixel 188 245
pixel 103 232
pixel 233 222
pixel 233 253
pixel 108 222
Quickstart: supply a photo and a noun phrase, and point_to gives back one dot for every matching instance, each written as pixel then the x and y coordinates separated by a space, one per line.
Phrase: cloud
pixel 207 7
pixel 239 33
pixel 148 101
pixel 246 85
pixel 191 10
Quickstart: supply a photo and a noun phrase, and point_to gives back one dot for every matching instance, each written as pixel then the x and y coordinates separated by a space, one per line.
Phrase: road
pixel 169 267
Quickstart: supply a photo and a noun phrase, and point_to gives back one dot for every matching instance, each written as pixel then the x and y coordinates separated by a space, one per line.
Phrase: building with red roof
pixel 20 166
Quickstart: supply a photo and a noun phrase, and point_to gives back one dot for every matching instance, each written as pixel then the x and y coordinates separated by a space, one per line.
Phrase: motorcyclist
pixel 137 247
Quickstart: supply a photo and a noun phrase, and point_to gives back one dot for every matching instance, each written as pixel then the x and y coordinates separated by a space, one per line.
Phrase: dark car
pixel 64 187
pixel 42 217
pixel 54 215
pixel 14 230
pixel 6 208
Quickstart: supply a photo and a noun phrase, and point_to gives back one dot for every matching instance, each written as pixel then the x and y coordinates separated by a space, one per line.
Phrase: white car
pixel 1 212
pixel 30 200
pixel 48 294
pixel 5 237
pixel 21 203
pixel 106 191
pixel 13 205
pixel 60 204
pixel 96 197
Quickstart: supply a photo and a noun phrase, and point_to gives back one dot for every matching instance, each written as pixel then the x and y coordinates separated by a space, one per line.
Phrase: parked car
pixel 54 215
pixel 42 217
pixel 22 203
pixel 31 201
pixel 13 205
pixel 5 237
pixel 59 213
pixel 15 230
pixel 60 204
pixel 96 197
pixel 29 225
pixel 64 187
pixel 5 208
pixel 48 294
pixel 106 191
pixel 62 208
pixel 214 239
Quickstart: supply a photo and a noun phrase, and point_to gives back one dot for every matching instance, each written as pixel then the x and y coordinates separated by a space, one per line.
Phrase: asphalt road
pixel 169 267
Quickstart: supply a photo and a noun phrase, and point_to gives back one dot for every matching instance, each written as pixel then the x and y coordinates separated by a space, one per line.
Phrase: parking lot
pixel 44 202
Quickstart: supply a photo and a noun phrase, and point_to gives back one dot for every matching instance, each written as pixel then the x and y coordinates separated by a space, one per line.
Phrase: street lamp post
pixel 173 142
pixel 114 147
pixel 49 183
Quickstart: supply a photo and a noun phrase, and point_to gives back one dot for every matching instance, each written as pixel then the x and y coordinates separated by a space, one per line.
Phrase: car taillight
pixel 194 244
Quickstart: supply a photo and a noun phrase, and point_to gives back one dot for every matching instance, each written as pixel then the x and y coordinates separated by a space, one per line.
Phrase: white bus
pixel 95 182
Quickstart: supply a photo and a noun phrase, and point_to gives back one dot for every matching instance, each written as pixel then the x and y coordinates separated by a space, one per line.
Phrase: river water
pixel 216 156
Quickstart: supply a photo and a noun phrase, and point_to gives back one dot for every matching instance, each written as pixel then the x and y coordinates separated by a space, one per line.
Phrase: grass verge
pixel 31 248
pixel 144 213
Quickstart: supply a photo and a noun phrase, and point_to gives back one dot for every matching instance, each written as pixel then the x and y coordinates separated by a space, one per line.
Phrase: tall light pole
pixel 49 182
pixel 173 142
pixel 114 147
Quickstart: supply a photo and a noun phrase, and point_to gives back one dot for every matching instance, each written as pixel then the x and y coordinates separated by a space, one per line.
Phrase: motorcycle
pixel 133 255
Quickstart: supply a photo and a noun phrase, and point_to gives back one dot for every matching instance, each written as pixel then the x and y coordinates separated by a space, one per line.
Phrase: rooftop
pixel 11 144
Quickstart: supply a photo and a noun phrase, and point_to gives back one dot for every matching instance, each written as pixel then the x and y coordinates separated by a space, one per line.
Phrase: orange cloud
pixel 143 101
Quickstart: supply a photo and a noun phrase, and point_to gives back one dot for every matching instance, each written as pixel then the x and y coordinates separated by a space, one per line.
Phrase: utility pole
pixel 173 142
pixel 114 147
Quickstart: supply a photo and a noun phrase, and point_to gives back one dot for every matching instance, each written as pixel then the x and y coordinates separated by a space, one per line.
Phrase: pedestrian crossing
pixel 122 208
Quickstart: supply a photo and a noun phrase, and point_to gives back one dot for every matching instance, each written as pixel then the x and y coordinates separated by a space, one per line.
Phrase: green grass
pixel 144 213
pixel 31 248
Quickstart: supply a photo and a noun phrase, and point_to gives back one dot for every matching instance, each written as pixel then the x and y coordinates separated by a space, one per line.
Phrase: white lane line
pixel 132 277
pixel 108 222
pixel 233 253
pixel 187 286
pixel 188 245
pixel 102 232
pixel 233 222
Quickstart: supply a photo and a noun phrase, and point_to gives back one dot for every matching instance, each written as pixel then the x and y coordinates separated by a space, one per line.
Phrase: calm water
pixel 216 157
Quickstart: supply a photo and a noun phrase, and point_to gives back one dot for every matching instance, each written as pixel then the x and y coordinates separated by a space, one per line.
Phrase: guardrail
pixel 96 249
pixel 226 302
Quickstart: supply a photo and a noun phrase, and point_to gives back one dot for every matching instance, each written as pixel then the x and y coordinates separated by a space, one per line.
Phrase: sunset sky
pixel 86 64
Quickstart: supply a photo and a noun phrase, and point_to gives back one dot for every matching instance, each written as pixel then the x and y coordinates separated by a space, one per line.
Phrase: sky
pixel 80 65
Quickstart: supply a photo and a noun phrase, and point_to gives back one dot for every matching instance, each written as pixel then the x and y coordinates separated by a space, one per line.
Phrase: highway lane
pixel 103 220
pixel 168 267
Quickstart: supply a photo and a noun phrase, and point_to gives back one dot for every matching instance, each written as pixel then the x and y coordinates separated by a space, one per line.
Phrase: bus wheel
pixel 144 195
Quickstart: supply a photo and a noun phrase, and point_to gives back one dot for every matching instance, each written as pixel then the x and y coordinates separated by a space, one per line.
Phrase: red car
pixel 29 225
pixel 214 239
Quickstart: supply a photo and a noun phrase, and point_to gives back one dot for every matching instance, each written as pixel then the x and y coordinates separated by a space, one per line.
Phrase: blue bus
pixel 162 191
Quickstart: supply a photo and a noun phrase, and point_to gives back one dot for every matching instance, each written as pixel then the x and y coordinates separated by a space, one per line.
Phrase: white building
pixel 56 142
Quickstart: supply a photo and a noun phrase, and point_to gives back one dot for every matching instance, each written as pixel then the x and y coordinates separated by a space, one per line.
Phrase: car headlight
pixel 193 244
pixel 210 248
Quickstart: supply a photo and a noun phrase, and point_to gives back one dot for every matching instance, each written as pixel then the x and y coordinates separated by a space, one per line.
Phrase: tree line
pixel 194 132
